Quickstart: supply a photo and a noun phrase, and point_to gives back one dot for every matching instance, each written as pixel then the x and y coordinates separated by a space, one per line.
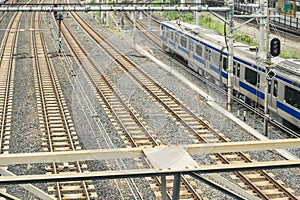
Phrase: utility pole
pixel 59 17
pixel 268 62
pixel 198 3
pixel 262 26
pixel 230 55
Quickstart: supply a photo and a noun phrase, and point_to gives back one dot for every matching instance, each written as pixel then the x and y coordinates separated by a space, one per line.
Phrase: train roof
pixel 290 65
pixel 244 51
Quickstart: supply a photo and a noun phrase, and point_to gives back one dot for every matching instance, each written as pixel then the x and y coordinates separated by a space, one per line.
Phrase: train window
pixel 183 41
pixel 225 64
pixel 199 50
pixel 292 97
pixel 252 77
pixel 275 88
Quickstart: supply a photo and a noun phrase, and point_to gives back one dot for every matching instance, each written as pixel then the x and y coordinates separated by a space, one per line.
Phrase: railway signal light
pixel 275 47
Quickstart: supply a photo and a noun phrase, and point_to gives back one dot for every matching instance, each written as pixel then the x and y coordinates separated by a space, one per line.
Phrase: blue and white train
pixel 206 53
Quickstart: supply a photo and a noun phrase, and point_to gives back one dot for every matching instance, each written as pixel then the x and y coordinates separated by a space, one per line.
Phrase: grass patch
pixel 290 54
pixel 208 22
pixel 218 26
pixel 185 17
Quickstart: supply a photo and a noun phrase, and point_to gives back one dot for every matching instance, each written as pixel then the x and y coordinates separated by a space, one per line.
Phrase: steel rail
pixel 108 85
pixel 43 104
pixel 38 38
pixel 155 39
pixel 243 156
pixel 9 37
pixel 118 59
pixel 139 72
pixel 117 55
pixel 151 136
pixel 81 56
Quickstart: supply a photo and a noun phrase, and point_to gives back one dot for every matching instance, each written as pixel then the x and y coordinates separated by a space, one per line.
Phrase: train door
pixel 273 90
pixel 207 59
pixel 270 103
pixel 176 41
pixel 191 48
pixel 223 69
pixel 236 73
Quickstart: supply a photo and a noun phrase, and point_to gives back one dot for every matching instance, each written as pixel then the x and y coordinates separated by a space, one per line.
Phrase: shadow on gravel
pixel 22 55
pixel 57 54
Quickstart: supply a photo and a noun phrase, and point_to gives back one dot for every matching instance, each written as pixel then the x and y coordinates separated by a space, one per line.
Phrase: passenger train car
pixel 205 52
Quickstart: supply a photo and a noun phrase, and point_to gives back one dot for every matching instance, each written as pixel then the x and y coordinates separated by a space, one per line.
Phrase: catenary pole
pixel 230 55
pixel 268 62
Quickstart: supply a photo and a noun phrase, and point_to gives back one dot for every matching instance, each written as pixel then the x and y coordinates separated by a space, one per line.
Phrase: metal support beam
pixel 134 173
pixel 164 187
pixel 256 16
pixel 248 21
pixel 243 146
pixel 7 196
pixel 29 187
pixel 220 17
pixel 110 8
pixel 176 186
pixel 101 154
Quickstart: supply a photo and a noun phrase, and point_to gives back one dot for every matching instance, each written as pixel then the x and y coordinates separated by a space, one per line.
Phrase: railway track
pixel 240 106
pixel 55 122
pixel 267 187
pixel 132 128
pixel 255 111
pixel 8 48
pixel 7 68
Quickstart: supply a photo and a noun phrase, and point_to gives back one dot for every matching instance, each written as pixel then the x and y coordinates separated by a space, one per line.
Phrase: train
pixel 205 52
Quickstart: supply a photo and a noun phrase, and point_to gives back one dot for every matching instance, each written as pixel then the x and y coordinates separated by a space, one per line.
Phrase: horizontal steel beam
pixel 100 175
pixel 29 187
pixel 109 8
pixel 243 146
pixel 68 156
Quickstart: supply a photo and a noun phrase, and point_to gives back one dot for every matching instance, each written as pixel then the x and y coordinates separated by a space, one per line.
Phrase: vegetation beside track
pixel 208 22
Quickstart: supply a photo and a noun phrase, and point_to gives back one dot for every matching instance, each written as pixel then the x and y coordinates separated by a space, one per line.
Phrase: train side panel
pixel 209 58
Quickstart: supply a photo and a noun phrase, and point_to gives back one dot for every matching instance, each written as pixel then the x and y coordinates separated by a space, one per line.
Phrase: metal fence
pixel 282 19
